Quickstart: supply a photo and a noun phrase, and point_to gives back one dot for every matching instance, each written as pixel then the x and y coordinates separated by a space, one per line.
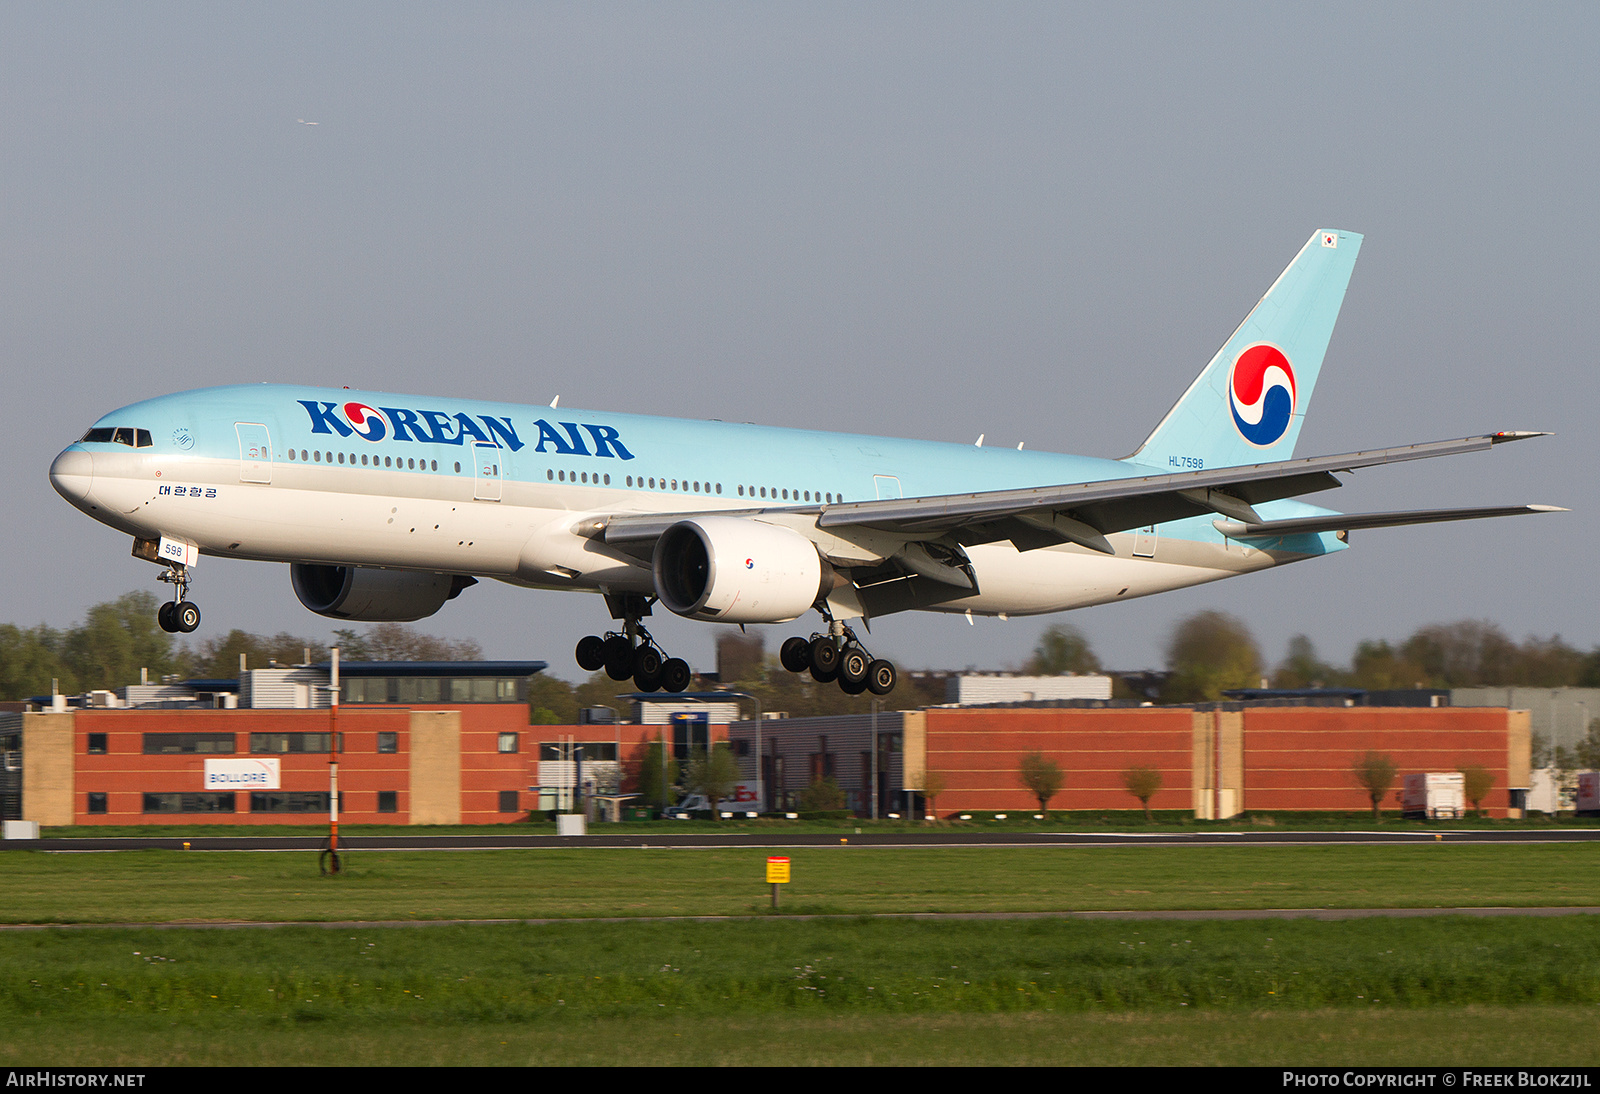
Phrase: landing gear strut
pixel 632 651
pixel 180 615
pixel 839 656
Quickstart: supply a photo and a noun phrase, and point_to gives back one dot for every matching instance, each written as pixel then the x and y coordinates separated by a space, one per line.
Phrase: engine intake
pixel 735 570
pixel 371 595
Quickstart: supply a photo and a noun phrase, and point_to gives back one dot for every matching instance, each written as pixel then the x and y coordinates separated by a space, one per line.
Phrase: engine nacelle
pixel 374 596
pixel 734 570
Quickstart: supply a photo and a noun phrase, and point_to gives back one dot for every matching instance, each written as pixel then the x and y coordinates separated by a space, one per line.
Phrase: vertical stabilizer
pixel 1248 404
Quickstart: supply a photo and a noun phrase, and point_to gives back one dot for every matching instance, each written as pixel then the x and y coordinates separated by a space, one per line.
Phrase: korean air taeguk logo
pixel 1261 394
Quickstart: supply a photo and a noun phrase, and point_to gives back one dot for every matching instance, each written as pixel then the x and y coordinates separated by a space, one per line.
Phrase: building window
pixel 97 745
pixel 508 742
pixel 162 744
pixel 388 742
pixel 388 801
pixel 508 801
pixel 277 743
pixel 97 801
pixel 189 803
pixel 285 801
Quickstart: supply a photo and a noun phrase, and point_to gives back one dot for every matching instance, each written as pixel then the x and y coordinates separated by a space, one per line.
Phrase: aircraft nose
pixel 72 474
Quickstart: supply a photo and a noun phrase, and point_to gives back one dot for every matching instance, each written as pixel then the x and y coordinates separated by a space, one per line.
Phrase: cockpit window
pixel 133 438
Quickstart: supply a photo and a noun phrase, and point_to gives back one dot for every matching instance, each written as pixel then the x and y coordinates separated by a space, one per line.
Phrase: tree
pixel 714 774
pixel 1588 751
pixel 1301 667
pixel 822 796
pixel 29 660
pixel 1375 771
pixel 654 774
pixel 933 784
pixel 1143 783
pixel 1476 780
pixel 1042 777
pixel 116 640
pixel 1062 649
pixel 399 642
pixel 551 702
pixel 1208 652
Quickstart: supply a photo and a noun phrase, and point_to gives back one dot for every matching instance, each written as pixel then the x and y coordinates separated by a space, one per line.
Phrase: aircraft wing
pixel 1085 513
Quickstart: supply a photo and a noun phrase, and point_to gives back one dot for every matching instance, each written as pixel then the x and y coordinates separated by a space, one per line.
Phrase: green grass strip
pixel 158 886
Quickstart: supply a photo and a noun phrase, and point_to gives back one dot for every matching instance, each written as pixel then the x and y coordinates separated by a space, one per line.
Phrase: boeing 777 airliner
pixel 386 506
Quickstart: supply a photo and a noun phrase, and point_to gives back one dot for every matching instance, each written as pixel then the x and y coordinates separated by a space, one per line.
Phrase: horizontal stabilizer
pixel 1343 522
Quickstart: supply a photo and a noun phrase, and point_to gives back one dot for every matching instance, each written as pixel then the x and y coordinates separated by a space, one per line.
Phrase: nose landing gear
pixel 180 615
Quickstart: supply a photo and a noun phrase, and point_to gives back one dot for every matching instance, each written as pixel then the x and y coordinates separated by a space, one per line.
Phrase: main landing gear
pixel 839 655
pixel 632 651
pixel 180 615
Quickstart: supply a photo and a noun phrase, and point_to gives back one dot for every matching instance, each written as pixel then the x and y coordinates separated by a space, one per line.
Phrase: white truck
pixel 742 800
pixel 1436 794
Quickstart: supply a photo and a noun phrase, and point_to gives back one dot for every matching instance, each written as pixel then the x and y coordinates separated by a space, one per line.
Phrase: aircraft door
pixel 486 472
pixel 255 452
pixel 887 486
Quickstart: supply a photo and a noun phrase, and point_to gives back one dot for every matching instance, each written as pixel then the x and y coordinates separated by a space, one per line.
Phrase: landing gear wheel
pixel 881 677
pixel 852 687
pixel 675 675
pixel 186 617
pixel 795 654
pixel 853 667
pixel 647 667
pixel 591 653
pixel 164 617
pixel 619 659
pixel 824 659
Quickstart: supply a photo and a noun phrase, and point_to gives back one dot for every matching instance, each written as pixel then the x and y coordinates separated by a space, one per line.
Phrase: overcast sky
pixel 1035 222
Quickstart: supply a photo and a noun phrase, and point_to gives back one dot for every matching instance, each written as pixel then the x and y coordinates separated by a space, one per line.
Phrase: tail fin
pixel 1249 403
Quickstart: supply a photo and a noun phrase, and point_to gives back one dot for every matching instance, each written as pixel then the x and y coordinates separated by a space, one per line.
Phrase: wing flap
pixel 1344 522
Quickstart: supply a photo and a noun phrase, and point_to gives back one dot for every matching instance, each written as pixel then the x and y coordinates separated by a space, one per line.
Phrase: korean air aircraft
pixel 386 506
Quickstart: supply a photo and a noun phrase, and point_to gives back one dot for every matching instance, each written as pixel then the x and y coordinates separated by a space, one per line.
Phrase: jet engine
pixel 372 595
pixel 734 570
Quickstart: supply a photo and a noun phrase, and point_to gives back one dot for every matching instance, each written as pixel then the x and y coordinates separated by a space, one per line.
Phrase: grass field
pixel 154 886
pixel 772 989
pixel 1454 990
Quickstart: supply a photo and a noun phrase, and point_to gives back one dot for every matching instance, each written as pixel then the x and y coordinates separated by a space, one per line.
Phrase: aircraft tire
pixel 795 654
pixel 186 617
pixel 591 653
pixel 164 617
pixel 675 675
pixel 647 665
pixel 852 687
pixel 620 661
pixel 853 665
pixel 881 677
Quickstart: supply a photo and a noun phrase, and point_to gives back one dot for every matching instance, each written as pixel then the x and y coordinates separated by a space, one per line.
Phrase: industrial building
pixel 451 743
